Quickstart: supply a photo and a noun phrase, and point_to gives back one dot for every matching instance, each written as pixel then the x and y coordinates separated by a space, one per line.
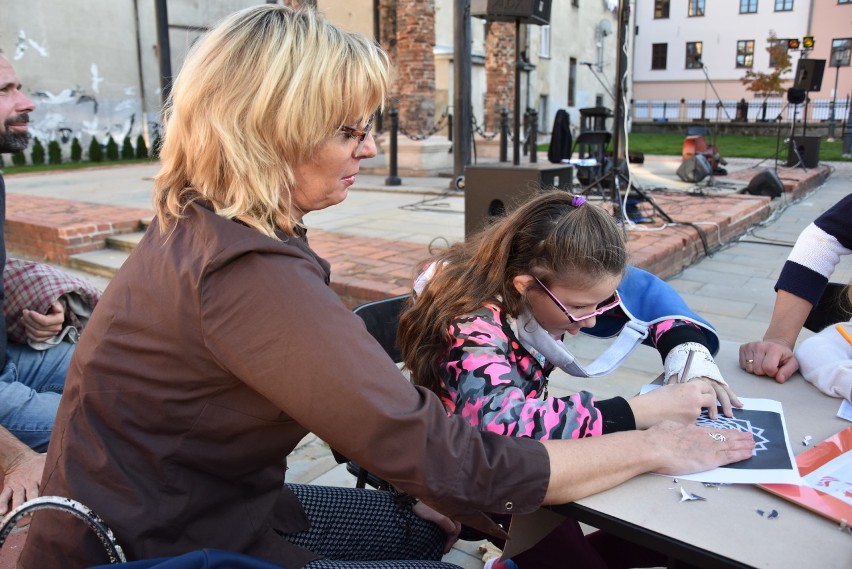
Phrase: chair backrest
pixel 381 318
pixel 592 144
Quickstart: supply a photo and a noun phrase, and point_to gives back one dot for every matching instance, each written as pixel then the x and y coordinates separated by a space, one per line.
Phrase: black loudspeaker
pixel 527 11
pixel 796 96
pixel 807 148
pixel 809 74
pixel 694 169
pixel 765 184
pixel 494 190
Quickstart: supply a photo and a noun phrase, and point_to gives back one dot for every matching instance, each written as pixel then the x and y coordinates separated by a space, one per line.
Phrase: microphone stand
pixel 601 81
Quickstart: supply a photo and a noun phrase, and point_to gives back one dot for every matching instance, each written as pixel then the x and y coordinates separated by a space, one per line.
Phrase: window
pixel 572 81
pixel 748 6
pixel 696 8
pixel 661 9
pixel 783 5
pixel 840 52
pixel 544 41
pixel 693 54
pixel 745 53
pixel 659 53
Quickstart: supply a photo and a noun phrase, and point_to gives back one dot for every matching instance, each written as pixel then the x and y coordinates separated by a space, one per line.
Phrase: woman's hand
pixel 688 449
pixel 678 402
pixel 450 527
pixel 770 358
pixel 21 480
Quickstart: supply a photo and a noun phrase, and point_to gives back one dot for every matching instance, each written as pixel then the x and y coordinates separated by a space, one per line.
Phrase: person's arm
pixel 499 389
pixel 675 339
pixel 22 469
pixel 773 356
pixel 588 466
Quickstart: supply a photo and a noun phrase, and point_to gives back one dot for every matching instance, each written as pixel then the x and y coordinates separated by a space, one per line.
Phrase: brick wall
pixel 415 20
pixel 499 71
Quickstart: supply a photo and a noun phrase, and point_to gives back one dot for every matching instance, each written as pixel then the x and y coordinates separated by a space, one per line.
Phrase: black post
pixel 450 127
pixel 164 51
pixel 533 138
pixel 393 178
pixel 703 108
pixel 504 134
pixel 516 148
pixel 463 121
pixel 847 131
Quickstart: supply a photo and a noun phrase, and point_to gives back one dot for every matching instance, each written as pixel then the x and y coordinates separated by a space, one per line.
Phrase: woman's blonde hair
pixel 553 236
pixel 257 94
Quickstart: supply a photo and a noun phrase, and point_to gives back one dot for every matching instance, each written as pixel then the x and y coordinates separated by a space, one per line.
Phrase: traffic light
pixel 808 42
pixel 793 43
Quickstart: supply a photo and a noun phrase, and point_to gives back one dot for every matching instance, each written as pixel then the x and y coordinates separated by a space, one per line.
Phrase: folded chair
pixel 381 318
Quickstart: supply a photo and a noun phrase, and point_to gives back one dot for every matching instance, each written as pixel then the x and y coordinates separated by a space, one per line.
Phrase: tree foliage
pixel 37 156
pixel 126 149
pixel 54 152
pixel 76 150
pixel 141 147
pixel 768 84
pixel 96 153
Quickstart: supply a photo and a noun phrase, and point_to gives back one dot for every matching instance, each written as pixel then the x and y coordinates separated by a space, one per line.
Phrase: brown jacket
pixel 211 354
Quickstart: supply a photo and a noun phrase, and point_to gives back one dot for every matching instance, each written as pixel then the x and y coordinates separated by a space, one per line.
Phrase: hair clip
pixel 577 201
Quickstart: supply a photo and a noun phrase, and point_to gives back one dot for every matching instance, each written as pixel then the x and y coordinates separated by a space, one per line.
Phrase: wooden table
pixel 725 530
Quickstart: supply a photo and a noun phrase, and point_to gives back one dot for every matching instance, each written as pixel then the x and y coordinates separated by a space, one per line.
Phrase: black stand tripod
pixel 795 97
pixel 618 175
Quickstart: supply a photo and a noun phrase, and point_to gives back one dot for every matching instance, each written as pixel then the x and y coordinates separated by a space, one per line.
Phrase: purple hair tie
pixel 577 201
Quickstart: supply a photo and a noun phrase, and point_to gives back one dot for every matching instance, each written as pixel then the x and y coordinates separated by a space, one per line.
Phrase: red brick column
pixel 416 80
pixel 499 72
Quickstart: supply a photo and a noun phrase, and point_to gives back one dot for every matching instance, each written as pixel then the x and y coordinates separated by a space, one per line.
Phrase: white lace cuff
pixel 702 364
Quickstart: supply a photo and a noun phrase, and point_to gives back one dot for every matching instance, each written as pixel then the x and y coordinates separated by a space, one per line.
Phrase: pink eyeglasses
pixel 607 304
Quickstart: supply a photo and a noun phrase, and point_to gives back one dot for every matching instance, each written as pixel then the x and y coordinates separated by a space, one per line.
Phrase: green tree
pixel 76 150
pixel 96 153
pixel 126 149
pixel 54 152
pixel 2 162
pixel 111 150
pixel 18 158
pixel 37 156
pixel 141 147
pixel 766 85
pixel 155 147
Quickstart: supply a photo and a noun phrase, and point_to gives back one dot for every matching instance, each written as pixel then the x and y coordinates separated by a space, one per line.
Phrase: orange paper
pixel 809 497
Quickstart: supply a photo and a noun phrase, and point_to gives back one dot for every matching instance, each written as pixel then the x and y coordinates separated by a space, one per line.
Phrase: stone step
pixel 103 262
pixel 125 241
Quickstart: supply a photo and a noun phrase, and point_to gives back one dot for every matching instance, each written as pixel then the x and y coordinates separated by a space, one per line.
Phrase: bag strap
pixel 73 507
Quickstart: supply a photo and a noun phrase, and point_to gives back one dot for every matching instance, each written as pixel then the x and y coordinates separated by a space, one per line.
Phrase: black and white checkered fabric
pixel 356 528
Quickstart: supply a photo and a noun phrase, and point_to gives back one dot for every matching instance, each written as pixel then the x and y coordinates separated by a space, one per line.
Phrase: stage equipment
pixel 803 151
pixel 527 11
pixel 809 74
pixel 766 183
pixel 494 190
pixel 695 168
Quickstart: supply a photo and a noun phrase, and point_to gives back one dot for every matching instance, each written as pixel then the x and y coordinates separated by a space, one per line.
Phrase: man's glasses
pixel 359 134
pixel 607 304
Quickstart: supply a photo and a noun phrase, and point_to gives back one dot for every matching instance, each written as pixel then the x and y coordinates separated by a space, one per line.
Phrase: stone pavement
pixel 733 287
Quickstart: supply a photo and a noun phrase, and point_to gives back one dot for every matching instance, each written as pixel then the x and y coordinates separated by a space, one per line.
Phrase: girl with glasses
pixel 493 317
